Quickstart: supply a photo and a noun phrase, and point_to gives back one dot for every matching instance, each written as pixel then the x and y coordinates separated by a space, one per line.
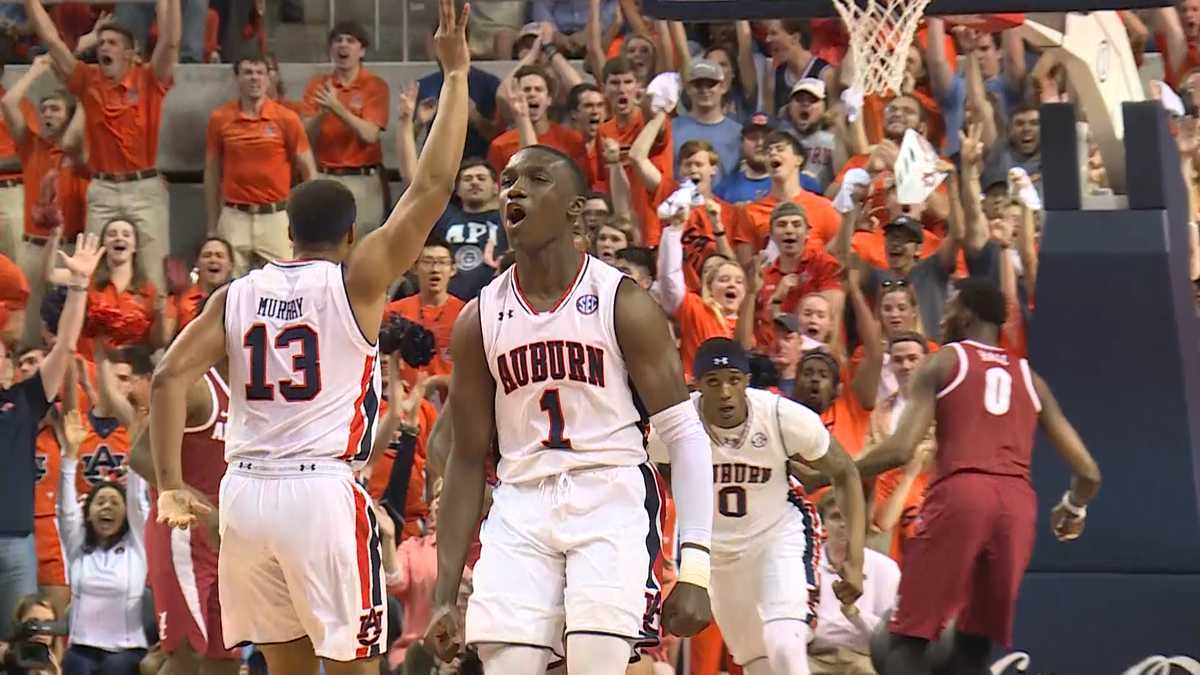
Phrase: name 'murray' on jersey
pixel 280 310
pixel 550 360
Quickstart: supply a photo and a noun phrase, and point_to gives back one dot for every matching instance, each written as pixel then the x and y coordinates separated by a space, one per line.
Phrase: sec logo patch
pixel 587 304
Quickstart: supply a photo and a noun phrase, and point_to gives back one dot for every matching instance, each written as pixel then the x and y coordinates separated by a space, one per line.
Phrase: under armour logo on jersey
pixel 500 317
pixel 308 467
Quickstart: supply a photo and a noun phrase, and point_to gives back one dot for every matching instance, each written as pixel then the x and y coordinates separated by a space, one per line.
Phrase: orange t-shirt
pixel 697 323
pixel 640 197
pixel 873 116
pixel 55 188
pixel 557 136
pixel 818 271
pixel 906 527
pixel 256 151
pixel 186 306
pixel 848 421
pixel 8 146
pixel 123 118
pixel 754 220
pixel 415 506
pixel 439 321
pixel 47 458
pixel 365 96
pixel 104 450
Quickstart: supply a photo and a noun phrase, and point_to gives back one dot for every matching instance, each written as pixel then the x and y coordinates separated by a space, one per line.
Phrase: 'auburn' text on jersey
pixel 563 396
pixel 304 381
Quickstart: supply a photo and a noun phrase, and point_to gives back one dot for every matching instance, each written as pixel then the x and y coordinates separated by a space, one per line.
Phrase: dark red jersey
pixel 987 413
pixel 204 445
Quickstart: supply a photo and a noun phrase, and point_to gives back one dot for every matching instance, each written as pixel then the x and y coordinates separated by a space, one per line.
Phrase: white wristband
pixel 694 566
pixel 1075 511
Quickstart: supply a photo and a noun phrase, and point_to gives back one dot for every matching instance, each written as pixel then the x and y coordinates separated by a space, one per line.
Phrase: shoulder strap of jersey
pixel 215 405
pixel 779 426
pixel 960 374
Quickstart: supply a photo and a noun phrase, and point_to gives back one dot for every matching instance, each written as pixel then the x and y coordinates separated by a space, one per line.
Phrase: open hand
pixel 88 253
pixel 406 104
pixel 328 100
pixel 181 508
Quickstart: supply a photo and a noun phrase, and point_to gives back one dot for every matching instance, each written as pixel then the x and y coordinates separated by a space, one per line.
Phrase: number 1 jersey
pixel 563 397
pixel 304 381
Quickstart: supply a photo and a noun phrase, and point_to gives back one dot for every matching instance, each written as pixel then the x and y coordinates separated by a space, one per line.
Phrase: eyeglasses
pixel 893 283
pixel 436 262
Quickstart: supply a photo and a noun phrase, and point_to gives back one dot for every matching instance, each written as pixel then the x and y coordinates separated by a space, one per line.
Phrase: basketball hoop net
pixel 881 31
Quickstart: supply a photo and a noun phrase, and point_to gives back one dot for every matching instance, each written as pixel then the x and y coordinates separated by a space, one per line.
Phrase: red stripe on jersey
pixel 563 298
pixel 359 424
pixel 362 538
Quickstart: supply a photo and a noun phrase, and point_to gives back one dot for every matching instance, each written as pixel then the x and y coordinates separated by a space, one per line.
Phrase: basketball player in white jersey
pixel 554 362
pixel 300 559
pixel 765 543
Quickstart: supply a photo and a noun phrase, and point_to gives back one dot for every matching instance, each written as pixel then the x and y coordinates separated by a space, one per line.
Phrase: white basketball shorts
pixel 300 556
pixel 580 552
pixel 774 580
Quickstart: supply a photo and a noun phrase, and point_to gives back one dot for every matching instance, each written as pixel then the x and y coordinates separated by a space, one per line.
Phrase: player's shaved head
pixel 579 182
pixel 321 212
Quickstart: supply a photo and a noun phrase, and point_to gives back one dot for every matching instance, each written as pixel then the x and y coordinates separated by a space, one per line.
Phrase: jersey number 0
pixel 305 363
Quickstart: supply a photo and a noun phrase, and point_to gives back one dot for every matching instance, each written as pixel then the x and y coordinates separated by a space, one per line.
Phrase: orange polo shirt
pixel 697 323
pixel 8 147
pixel 565 139
pixel 439 321
pixel 55 188
pixel 186 306
pixel 753 225
pixel 123 318
pixel 639 197
pixel 256 151
pixel 848 420
pixel 123 118
pixel 365 96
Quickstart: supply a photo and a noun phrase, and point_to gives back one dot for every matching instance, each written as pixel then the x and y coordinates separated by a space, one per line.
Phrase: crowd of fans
pixel 751 195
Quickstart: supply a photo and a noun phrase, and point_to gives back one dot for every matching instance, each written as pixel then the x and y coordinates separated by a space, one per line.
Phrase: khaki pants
pixel 29 258
pixel 368 198
pixel 841 661
pixel 144 203
pixel 256 238
pixel 12 219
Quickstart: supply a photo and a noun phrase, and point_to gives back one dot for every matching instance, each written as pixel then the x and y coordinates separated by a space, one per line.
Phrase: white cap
pixel 812 85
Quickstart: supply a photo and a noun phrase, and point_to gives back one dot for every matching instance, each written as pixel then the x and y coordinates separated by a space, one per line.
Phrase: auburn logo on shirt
pixel 370 627
pixel 98 466
pixel 39 468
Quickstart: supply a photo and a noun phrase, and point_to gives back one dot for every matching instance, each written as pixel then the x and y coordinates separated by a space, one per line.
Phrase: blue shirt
pixel 953 103
pixel 736 187
pixel 725 136
pixel 22 407
pixel 481 87
pixel 571 16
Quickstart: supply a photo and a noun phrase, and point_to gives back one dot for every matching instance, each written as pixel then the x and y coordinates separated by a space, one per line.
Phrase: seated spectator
pixel 751 180
pixel 705 119
pixel 103 540
pixel 36 608
pixel 472 228
pixel 123 305
pixel 841 642
pixel 213 269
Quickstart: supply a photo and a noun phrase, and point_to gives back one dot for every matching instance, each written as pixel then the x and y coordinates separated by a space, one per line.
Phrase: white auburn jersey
pixel 304 381
pixel 750 478
pixel 563 396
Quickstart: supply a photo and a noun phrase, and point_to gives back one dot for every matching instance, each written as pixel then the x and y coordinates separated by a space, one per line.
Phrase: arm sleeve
pixel 671 284
pixel 657 449
pixel 70 513
pixel 691 470
pixel 802 431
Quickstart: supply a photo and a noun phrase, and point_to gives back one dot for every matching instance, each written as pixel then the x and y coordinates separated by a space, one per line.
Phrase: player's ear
pixel 575 208
pixel 350 234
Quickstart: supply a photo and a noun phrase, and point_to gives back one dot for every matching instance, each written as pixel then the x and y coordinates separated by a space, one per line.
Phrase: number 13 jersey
pixel 563 397
pixel 304 381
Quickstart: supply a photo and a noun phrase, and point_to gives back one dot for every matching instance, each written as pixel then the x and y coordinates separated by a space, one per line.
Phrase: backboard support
pixel 725 10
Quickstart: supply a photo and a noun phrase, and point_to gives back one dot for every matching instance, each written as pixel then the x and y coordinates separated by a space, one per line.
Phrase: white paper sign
pixel 916 169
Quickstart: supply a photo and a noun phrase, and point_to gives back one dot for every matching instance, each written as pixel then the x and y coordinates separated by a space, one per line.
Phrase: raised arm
pixel 747 70
pixel 595 56
pixel 70 512
pixel 898 449
pixel 199 347
pixel 389 251
pixel 671 285
pixel 657 377
pixel 472 388
pixel 1166 23
pixel 79 268
pixel 111 400
pixel 639 151
pixel 870 371
pixel 48 35
pixel 975 229
pixel 166 50
pixel 406 140
pixel 11 103
pixel 940 76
